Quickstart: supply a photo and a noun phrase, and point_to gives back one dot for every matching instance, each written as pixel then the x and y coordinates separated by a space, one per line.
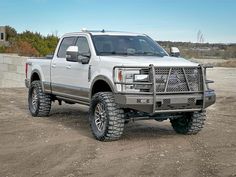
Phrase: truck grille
pixel 178 79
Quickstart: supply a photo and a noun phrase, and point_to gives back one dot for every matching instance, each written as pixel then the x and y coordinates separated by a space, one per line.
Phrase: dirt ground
pixel 62 144
pixel 217 62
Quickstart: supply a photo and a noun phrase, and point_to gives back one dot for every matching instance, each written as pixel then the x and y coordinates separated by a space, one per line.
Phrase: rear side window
pixel 66 42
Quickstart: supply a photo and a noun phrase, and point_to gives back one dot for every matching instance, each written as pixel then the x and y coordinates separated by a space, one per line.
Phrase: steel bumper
pixel 166 103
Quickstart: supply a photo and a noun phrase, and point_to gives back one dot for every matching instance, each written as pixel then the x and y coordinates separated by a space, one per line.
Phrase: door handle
pixel 68 67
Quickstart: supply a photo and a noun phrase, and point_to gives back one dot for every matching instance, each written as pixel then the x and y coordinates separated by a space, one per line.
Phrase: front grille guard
pixel 152 82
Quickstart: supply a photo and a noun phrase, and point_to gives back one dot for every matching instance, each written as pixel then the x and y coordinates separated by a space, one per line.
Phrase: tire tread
pixel 115 117
pixel 44 105
pixel 193 127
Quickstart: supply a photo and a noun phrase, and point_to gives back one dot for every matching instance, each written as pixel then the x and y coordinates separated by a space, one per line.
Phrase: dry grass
pixel 230 63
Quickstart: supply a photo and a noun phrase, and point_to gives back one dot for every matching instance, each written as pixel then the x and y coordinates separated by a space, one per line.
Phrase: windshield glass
pixel 127 45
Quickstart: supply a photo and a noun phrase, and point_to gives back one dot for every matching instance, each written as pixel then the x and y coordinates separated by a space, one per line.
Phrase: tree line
pixel 29 43
pixel 202 50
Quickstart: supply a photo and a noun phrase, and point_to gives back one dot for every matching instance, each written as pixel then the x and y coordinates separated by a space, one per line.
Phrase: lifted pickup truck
pixel 120 76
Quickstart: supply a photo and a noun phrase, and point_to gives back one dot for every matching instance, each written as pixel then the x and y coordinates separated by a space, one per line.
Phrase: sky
pixel 174 20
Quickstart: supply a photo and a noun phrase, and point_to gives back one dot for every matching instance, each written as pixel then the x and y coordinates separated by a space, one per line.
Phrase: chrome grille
pixel 178 79
pixel 194 77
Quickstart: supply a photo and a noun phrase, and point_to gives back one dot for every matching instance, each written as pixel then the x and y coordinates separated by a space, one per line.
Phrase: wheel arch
pixel 36 76
pixel 101 83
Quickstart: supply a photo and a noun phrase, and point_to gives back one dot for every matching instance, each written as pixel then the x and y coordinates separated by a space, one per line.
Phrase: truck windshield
pixel 127 45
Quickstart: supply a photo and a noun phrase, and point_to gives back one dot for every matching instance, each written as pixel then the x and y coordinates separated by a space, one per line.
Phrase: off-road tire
pixel 114 117
pixel 189 124
pixel 43 102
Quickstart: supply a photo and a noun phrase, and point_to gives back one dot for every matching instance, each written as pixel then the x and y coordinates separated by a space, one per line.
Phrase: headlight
pixel 125 79
pixel 125 74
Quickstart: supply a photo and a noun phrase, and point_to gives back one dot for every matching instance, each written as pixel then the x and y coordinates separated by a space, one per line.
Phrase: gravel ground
pixel 62 144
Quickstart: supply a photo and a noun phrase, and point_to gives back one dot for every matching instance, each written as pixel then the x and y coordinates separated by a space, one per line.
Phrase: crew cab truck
pixel 121 77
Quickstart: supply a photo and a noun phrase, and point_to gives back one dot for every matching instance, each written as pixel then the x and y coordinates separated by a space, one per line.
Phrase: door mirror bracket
pixel 84 59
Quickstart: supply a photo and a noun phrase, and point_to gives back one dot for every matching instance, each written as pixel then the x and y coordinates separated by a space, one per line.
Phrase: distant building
pixel 3 40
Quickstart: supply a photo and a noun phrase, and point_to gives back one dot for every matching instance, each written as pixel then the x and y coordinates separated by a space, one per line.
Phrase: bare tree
pixel 200 37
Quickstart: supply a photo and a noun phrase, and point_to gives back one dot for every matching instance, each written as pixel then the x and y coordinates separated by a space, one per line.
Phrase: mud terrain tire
pixel 106 117
pixel 38 101
pixel 189 124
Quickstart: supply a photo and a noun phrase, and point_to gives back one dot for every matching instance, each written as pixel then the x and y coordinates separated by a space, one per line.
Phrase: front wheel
pixel 189 123
pixel 106 117
pixel 39 102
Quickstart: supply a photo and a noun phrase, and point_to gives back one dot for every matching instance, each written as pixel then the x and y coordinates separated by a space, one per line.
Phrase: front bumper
pixel 166 103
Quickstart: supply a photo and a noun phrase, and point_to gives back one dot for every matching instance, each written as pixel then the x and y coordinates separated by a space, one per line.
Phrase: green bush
pixel 37 44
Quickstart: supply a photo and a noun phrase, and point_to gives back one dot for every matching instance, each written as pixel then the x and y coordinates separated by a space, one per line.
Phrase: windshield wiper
pixel 148 54
pixel 112 53
pixel 127 53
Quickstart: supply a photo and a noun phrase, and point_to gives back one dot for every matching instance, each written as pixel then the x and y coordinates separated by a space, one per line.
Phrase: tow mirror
pixel 174 52
pixel 72 54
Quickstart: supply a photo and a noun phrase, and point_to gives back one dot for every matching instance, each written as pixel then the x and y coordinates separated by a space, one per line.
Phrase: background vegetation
pixel 30 43
pixel 202 50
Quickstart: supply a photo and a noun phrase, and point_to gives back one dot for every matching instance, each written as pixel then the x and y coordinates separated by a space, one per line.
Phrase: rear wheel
pixel 39 102
pixel 190 123
pixel 106 117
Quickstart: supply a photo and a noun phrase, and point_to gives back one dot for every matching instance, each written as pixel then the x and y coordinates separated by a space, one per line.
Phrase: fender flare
pixel 37 71
pixel 105 79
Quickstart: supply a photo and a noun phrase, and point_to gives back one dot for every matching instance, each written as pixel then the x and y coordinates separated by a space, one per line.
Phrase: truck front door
pixel 70 79
pixel 77 73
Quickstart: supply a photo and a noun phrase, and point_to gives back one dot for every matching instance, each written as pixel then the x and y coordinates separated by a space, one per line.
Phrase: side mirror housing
pixel 72 54
pixel 174 52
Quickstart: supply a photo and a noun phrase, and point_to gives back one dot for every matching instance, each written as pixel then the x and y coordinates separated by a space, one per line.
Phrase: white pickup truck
pixel 121 77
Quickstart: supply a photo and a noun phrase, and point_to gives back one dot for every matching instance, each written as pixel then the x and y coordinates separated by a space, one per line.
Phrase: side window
pixel 66 42
pixel 83 45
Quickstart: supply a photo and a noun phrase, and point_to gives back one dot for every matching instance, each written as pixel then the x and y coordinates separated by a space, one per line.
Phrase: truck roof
pixel 103 32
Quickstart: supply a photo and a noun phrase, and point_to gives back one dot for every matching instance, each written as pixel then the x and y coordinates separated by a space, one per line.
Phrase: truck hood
pixel 146 61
